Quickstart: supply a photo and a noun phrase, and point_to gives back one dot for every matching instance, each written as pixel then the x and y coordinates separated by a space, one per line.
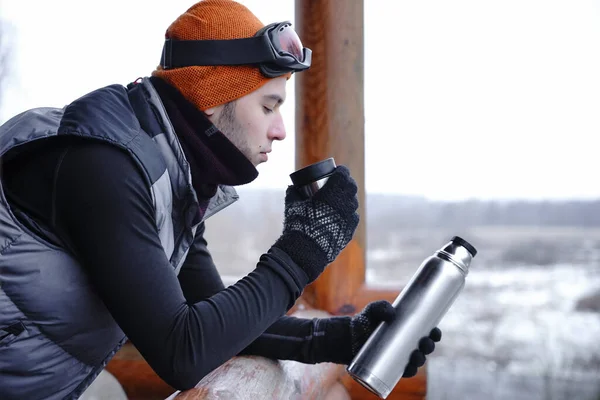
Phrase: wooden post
pixel 330 123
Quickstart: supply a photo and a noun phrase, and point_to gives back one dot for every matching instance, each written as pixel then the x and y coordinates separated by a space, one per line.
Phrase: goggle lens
pixel 288 41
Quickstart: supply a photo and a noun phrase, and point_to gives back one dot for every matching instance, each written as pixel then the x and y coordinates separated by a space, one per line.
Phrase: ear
pixel 210 111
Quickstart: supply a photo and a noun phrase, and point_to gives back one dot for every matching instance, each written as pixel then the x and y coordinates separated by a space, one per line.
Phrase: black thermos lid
pixel 462 242
pixel 313 172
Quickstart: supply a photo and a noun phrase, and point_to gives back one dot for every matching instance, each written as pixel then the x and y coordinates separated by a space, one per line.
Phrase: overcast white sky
pixel 464 99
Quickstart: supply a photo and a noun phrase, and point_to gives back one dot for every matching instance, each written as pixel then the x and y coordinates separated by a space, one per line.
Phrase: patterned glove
pixel 317 229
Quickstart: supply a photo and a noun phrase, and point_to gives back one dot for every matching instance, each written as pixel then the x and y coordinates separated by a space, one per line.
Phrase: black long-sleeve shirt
pixel 94 197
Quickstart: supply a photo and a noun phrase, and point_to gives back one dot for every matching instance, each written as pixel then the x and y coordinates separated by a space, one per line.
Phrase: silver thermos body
pixel 420 306
pixel 311 178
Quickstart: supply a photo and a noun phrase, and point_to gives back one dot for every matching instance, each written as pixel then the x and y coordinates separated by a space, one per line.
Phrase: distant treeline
pixel 406 211
pixel 410 228
pixel 409 211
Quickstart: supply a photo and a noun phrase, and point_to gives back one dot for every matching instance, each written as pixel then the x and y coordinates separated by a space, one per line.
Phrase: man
pixel 102 216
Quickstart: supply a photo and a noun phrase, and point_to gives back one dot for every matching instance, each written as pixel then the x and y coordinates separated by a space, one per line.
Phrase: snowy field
pixel 515 334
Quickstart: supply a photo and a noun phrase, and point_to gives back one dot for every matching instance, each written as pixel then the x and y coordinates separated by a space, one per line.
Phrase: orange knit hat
pixel 209 86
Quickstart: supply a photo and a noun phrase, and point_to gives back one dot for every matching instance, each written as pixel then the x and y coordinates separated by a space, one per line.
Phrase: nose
pixel 277 129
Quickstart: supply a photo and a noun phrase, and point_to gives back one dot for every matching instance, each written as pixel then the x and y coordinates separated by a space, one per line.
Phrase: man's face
pixel 254 121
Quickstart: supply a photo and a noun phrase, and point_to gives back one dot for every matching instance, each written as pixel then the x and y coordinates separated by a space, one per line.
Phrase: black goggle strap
pixel 186 53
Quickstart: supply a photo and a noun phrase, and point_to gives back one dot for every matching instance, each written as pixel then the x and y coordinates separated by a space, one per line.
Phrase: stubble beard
pixel 234 131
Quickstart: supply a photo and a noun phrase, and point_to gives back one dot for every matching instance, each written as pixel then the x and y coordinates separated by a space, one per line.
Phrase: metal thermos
pixel 312 177
pixel 420 306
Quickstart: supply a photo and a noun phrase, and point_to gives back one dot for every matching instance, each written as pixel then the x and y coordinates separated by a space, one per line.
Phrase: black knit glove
pixel 317 229
pixel 340 338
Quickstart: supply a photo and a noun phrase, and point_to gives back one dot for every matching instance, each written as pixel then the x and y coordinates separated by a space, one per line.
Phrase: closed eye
pixel 267 110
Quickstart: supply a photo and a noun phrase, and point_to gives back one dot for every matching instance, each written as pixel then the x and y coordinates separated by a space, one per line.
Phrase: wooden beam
pixel 330 123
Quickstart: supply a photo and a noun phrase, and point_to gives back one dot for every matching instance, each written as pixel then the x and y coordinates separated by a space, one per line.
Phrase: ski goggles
pixel 276 49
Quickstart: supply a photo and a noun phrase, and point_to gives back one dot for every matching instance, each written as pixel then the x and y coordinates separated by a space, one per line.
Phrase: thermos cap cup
pixel 313 172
